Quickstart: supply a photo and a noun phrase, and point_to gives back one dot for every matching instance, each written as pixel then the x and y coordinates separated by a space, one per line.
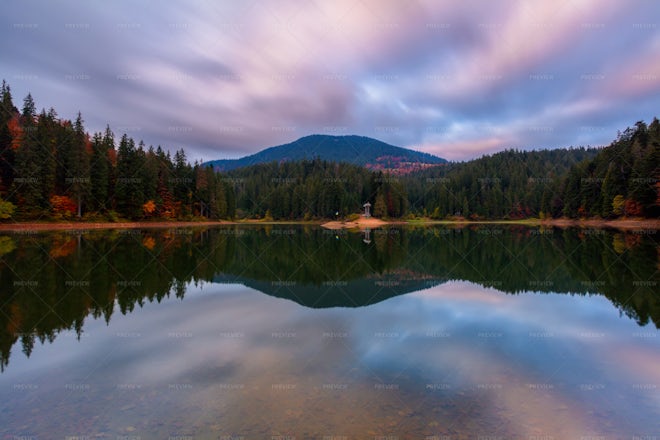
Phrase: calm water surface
pixel 292 332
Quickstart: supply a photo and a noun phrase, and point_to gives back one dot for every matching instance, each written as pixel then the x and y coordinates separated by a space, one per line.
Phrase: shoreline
pixel 622 224
pixel 37 226
pixel 628 224
pixel 361 223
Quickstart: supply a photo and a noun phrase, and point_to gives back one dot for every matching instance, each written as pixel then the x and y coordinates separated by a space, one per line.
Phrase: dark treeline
pixel 622 179
pixel 50 283
pixel 51 168
pixel 314 189
pixel 509 184
pixel 619 180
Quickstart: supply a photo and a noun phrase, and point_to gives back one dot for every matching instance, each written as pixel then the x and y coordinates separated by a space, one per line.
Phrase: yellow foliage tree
pixel 6 209
pixel 618 204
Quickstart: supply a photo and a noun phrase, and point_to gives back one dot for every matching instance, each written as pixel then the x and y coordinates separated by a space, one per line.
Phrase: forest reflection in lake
pixel 346 353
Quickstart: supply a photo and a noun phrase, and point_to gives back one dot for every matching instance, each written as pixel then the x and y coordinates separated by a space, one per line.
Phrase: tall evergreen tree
pixel 100 169
pixel 26 184
pixel 183 182
pixel 380 207
pixel 7 156
pixel 78 166
pixel 129 188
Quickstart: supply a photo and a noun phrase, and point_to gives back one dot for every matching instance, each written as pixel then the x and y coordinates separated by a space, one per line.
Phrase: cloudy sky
pixel 223 79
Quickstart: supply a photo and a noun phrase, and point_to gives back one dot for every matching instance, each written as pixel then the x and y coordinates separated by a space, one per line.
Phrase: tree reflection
pixel 51 282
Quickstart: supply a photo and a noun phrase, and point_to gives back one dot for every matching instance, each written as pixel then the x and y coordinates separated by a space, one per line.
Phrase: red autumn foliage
pixel 171 209
pixel 16 131
pixel 15 319
pixel 63 205
pixel 112 156
pixel 63 249
pixel 88 146
pixel 632 208
pixel 633 240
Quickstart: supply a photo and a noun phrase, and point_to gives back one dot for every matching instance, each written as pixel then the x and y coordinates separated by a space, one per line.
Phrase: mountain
pixel 361 292
pixel 359 150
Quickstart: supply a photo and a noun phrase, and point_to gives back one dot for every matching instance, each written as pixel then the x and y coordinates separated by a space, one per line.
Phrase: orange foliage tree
pixel 149 208
pixel 62 206
pixel 149 243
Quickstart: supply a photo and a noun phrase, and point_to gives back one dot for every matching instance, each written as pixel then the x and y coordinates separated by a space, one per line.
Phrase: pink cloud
pixel 466 149
pixel 246 76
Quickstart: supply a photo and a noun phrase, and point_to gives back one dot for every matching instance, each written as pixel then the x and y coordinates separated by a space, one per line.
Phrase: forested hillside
pixel 51 168
pixel 509 184
pixel 621 179
pixel 624 179
pixel 357 150
pixel 315 189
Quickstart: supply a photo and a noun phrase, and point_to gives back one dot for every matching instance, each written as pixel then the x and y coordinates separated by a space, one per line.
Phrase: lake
pixel 297 332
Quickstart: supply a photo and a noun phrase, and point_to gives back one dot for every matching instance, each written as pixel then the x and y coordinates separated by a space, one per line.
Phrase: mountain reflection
pixel 51 282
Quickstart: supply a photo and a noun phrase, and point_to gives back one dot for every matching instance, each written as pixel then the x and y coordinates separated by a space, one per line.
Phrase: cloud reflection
pixel 422 364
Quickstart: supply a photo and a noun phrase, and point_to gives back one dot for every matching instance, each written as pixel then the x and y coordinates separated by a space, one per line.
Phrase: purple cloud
pixel 454 79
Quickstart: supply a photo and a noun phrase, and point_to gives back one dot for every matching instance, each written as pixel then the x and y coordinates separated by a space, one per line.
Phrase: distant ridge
pixel 359 292
pixel 357 150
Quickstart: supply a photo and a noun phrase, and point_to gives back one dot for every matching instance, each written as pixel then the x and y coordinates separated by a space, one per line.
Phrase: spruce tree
pixel 25 188
pixel 99 172
pixel 78 166
pixel 7 156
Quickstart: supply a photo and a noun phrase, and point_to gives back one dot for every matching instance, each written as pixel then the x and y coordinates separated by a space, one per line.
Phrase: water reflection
pixel 51 282
pixel 454 360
